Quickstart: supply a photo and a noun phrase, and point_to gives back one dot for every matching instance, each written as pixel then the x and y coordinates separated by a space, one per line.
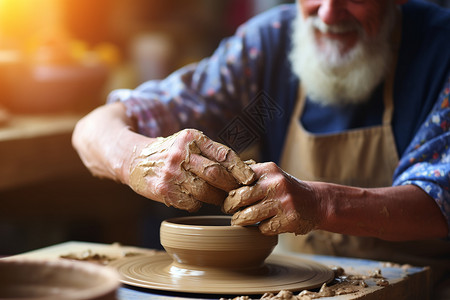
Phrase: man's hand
pixel 280 202
pixel 186 169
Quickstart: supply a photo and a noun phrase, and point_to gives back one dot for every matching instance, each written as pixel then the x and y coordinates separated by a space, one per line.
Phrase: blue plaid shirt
pixel 252 66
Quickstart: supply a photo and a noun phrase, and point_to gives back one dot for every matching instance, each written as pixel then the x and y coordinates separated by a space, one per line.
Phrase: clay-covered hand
pixel 186 169
pixel 280 202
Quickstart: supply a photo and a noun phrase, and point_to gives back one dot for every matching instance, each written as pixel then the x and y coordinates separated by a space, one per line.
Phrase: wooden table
pixel 405 282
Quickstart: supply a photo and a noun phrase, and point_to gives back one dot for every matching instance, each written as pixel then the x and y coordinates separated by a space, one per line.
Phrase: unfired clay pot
pixel 34 279
pixel 209 256
pixel 211 242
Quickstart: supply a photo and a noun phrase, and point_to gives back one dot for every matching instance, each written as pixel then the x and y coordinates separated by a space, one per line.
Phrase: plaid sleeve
pixel 152 117
pixel 207 95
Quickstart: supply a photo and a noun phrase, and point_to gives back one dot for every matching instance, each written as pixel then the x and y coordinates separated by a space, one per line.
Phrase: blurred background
pixel 58 61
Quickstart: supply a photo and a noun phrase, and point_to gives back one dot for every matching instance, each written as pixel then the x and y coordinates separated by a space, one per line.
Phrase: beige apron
pixel 364 157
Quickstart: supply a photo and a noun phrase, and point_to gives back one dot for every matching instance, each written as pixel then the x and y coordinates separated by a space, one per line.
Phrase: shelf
pixel 35 148
pixel 31 126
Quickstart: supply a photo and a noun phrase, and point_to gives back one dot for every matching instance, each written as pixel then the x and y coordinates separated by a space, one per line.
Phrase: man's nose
pixel 332 11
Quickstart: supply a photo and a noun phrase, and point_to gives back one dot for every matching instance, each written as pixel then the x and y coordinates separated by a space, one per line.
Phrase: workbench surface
pixel 404 281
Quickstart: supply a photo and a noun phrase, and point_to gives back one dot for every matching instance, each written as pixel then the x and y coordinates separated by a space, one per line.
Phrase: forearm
pixel 182 170
pixel 392 213
pixel 105 142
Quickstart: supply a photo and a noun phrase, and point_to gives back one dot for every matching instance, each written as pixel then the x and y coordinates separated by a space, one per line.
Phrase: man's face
pixel 345 19
pixel 342 49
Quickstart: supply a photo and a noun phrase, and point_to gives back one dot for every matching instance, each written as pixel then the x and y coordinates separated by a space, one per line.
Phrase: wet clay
pixel 180 190
pixel 265 202
pixel 274 219
pixel 226 157
pixel 148 168
pixel 176 183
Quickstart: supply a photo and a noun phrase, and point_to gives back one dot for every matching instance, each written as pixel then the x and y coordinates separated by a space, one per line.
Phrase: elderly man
pixel 355 148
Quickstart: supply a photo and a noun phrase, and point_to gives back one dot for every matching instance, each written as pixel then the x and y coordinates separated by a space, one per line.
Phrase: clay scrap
pixel 343 284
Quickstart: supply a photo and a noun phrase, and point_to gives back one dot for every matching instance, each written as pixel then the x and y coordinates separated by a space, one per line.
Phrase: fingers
pixel 226 157
pixel 182 201
pixel 277 201
pixel 243 197
pixel 186 169
pixel 202 191
pixel 189 192
pixel 273 220
pixel 247 195
pixel 212 172
pixel 272 226
pixel 282 223
pixel 255 203
pixel 256 213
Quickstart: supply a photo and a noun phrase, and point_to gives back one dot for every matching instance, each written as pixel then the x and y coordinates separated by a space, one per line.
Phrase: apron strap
pixel 388 92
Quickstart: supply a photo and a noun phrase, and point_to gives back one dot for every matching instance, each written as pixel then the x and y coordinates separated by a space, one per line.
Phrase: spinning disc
pixel 278 273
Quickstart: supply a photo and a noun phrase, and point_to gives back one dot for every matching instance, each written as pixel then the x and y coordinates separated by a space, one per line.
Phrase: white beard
pixel 332 78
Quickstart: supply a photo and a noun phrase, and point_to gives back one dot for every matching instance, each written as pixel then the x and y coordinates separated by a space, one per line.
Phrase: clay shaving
pixel 100 258
pixel 343 284
pixel 90 256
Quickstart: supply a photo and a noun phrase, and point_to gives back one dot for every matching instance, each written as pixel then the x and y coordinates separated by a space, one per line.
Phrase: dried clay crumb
pixel 89 256
pixel 382 282
pixel 344 285
pixel 238 298
pixel 338 271
pixel 100 258
pixel 325 291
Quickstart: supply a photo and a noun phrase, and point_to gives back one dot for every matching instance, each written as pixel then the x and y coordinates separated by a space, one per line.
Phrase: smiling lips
pixel 335 31
pixel 346 33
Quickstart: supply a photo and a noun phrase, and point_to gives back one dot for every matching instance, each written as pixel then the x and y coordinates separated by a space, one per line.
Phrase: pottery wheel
pixel 278 273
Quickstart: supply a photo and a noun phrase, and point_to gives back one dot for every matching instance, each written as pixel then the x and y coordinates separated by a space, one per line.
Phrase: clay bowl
pixel 56 279
pixel 211 242
pixel 51 88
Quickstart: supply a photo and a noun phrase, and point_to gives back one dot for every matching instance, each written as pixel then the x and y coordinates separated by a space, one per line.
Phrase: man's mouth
pixel 346 34
pixel 341 28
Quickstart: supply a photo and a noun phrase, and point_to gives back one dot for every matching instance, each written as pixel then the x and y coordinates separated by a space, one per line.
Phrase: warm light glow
pixel 22 19
pixel 37 29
